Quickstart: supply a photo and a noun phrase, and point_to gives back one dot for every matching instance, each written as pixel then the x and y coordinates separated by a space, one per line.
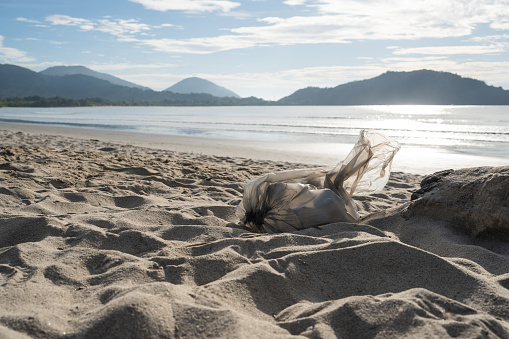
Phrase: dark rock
pixel 476 199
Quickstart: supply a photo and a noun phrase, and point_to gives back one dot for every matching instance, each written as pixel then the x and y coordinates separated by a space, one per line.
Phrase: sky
pixel 262 48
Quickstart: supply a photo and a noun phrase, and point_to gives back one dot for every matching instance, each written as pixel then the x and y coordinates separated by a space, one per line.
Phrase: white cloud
pixel 121 27
pixel 28 20
pixel 188 5
pixel 198 45
pixel 491 38
pixel 502 25
pixel 124 29
pixel 66 20
pixel 239 15
pixel 58 43
pixel 451 50
pixel 349 20
pixel 297 30
pixel 294 2
pixel 334 23
pixel 455 14
pixel 413 63
pixel 493 73
pixel 12 55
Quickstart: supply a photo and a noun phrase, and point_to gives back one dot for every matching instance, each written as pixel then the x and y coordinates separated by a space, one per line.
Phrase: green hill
pixel 391 88
pixel 421 87
pixel 198 85
pixel 71 70
pixel 19 82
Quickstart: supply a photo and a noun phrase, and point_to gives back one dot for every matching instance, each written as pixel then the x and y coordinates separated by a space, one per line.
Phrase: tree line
pixel 38 101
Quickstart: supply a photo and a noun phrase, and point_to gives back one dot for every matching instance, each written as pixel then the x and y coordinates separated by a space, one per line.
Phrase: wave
pixel 465 128
pixel 190 128
pixel 70 124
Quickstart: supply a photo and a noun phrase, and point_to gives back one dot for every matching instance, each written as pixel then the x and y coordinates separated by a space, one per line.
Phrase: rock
pixel 475 199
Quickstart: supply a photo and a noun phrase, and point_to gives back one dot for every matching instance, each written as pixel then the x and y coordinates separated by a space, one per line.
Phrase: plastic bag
pixel 296 199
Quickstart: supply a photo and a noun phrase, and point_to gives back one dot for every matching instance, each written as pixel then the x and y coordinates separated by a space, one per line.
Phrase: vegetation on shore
pixel 38 101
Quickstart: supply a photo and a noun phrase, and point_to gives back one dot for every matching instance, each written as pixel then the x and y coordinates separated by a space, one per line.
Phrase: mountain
pixel 18 82
pixel 422 87
pixel 198 85
pixel 71 70
pixel 416 87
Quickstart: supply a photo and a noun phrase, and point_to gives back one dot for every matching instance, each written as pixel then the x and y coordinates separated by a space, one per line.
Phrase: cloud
pixel 296 30
pixel 452 50
pixel 294 2
pixel 12 55
pixel 117 27
pixel 502 25
pixel 239 15
pixel 58 42
pixel 341 22
pixel 455 14
pixel 491 38
pixel 493 73
pixel 66 20
pixel 198 45
pixel 333 22
pixel 188 5
pixel 28 20
pixel 121 27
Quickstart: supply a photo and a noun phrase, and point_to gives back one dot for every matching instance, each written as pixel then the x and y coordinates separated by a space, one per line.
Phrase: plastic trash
pixel 296 199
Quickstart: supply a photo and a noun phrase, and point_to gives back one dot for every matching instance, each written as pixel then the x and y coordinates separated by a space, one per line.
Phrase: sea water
pixel 479 131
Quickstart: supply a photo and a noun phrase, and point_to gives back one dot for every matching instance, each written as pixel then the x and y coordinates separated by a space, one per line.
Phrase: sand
pixel 108 240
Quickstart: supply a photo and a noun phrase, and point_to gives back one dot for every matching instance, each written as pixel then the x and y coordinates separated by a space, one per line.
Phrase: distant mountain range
pixel 198 85
pixel 390 88
pixel 421 87
pixel 21 82
pixel 71 70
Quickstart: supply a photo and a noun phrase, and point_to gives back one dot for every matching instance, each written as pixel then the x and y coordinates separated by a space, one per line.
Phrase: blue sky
pixel 262 48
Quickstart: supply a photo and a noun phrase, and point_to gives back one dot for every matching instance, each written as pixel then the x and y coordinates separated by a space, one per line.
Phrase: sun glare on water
pixel 410 109
pixel 416 124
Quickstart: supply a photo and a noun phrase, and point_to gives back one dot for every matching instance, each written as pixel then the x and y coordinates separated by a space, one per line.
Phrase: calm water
pixel 476 130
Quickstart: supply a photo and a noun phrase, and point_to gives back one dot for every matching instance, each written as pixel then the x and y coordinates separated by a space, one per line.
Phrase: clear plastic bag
pixel 296 199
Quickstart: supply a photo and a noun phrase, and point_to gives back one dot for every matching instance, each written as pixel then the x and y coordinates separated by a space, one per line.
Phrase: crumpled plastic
pixel 291 200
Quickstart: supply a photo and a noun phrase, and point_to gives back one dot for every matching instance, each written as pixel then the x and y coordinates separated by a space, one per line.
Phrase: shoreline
pixel 259 150
pixel 410 159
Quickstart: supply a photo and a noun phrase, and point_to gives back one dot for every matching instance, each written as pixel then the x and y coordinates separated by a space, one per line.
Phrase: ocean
pixel 478 132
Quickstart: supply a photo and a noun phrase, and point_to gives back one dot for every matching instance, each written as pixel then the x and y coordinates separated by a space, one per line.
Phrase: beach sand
pixel 102 239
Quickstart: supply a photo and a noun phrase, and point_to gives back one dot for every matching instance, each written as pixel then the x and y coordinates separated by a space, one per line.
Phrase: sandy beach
pixel 105 235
